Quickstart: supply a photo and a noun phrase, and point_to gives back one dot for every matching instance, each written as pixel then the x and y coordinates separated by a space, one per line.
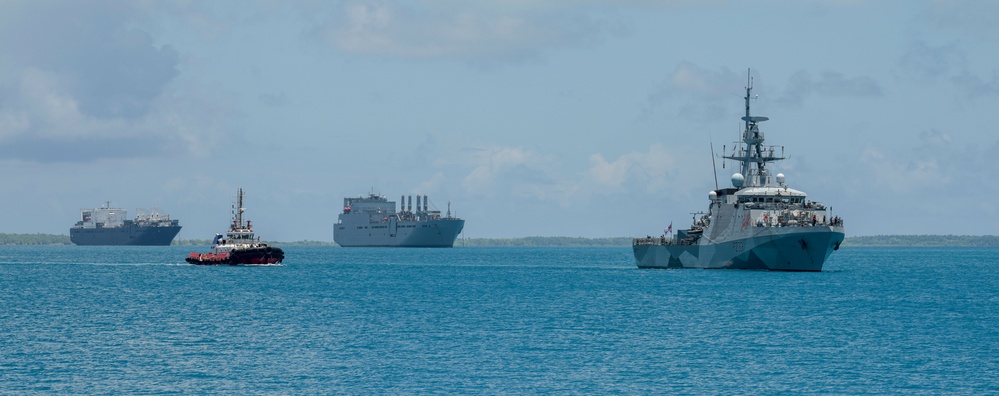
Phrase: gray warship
pixel 110 227
pixel 374 222
pixel 758 223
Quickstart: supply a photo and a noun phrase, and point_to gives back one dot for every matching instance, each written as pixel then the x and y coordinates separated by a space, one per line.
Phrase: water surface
pixel 494 320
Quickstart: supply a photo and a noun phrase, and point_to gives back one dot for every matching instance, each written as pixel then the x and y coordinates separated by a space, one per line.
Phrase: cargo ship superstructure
pixel 373 221
pixel 109 226
pixel 758 223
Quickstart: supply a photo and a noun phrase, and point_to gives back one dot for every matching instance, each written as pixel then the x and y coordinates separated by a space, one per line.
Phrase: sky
pixel 588 118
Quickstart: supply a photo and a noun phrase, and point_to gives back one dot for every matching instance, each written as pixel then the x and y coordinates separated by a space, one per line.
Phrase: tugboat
pixel 758 223
pixel 238 246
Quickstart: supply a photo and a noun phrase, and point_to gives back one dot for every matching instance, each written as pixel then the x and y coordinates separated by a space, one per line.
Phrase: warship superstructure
pixel 111 227
pixel 373 221
pixel 758 223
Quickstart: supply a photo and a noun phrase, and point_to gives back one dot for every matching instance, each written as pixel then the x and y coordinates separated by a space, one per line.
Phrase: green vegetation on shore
pixel 872 240
pixel 924 240
pixel 544 241
pixel 34 239
pixel 208 242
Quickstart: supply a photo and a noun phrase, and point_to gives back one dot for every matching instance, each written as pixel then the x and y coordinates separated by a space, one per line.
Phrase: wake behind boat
pixel 238 246
pixel 759 223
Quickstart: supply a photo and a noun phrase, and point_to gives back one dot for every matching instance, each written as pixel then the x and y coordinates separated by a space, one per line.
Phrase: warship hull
pixel 775 249
pixel 434 233
pixel 129 234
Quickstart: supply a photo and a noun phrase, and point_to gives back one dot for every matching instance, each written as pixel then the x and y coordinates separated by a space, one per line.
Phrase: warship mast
pixel 753 152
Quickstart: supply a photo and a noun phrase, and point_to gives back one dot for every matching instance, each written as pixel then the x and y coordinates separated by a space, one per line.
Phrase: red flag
pixel 670 228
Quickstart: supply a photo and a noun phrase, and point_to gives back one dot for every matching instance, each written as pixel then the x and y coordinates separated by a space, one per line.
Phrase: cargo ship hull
pixel 434 233
pixel 129 234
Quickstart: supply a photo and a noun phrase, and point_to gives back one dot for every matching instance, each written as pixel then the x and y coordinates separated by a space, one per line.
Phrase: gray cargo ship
pixel 110 226
pixel 758 223
pixel 374 221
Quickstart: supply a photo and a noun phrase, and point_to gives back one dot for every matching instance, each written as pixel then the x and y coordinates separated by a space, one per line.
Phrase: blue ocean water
pixel 494 320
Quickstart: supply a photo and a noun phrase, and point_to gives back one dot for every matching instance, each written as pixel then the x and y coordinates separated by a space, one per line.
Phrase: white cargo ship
pixel 373 221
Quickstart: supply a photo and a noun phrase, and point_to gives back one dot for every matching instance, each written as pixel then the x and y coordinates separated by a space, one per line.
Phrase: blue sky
pixel 563 118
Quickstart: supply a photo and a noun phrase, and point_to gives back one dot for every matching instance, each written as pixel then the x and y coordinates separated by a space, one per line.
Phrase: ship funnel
pixel 402 203
pixel 409 207
pixel 417 203
pixel 425 201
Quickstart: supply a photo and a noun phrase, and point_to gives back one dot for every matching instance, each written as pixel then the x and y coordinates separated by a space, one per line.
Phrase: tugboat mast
pixel 237 218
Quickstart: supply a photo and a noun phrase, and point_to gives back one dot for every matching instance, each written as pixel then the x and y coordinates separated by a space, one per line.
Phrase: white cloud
pixel 82 84
pixel 491 164
pixel 607 173
pixel 973 18
pixel 974 87
pixel 654 168
pixel 704 94
pixel 461 30
pixel 924 61
pixel 520 172
pixel 434 184
pixel 802 85
pixel 933 166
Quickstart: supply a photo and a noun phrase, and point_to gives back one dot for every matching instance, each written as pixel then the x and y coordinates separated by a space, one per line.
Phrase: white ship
pixel 758 223
pixel 374 221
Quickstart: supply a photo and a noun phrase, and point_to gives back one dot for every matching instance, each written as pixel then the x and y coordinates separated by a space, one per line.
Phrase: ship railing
pixel 662 241
pixel 647 241
pixel 801 219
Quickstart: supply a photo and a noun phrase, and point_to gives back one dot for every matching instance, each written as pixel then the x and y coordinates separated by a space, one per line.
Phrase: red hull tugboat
pixel 238 246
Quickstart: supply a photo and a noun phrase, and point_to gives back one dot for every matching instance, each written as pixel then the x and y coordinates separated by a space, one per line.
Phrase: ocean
pixel 89 320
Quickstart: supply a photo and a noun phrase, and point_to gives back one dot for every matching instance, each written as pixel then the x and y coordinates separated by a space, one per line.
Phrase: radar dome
pixel 737 179
pixel 712 196
pixel 780 178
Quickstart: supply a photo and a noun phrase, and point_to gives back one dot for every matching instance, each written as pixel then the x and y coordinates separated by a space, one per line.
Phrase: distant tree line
pixel 544 241
pixel 208 242
pixel 191 242
pixel 924 240
pixel 34 239
pixel 872 240
pixel 875 240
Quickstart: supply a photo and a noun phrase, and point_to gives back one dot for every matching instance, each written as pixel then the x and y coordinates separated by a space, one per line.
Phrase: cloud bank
pixel 85 84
